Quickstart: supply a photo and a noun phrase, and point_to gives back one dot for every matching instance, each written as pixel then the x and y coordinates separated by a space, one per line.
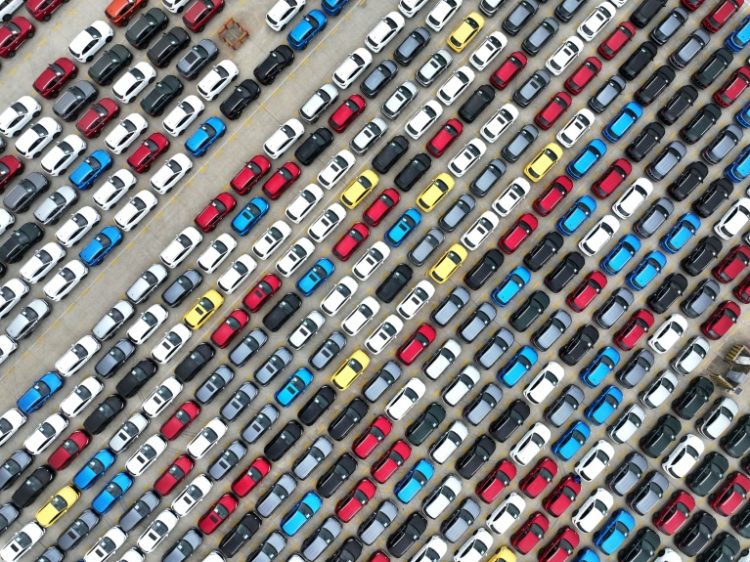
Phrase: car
pixel 599 235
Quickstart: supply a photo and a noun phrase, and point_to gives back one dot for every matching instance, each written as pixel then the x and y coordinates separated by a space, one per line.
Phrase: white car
pixel 659 390
pixel 441 498
pixel 55 204
pixel 384 31
pixel 352 68
pixel 114 188
pixel 10 422
pixel 41 262
pixel 467 157
pixel 384 334
pixel 596 21
pixel 593 511
pixel 171 343
pixel 179 248
pixel 478 232
pixel 283 138
pixel 399 99
pixel 410 7
pixel 415 299
pixel 36 138
pixel 306 329
pixel 171 172
pixel 237 273
pixel 271 240
pixel 336 169
pixel 65 280
pixel 295 256
pixel 432 551
pixel 511 196
pixel 135 210
pixel 217 79
pixel 668 334
pixel 161 397
pixel 7 220
pixel 128 432
pixel 191 495
pixel 59 158
pixel 184 113
pixel 718 418
pixel 106 546
pixel 7 347
pixel 133 82
pixel 45 433
pixel 80 397
pixel 442 359
pixel 371 260
pixel 106 327
pixel 318 102
pixel 475 548
pixel 207 438
pixel 337 297
pixel 175 6
pixel 449 442
pixel 90 41
pixel 405 399
pixel 213 256
pixel 540 387
pixel 126 132
pixel 595 460
pixel 669 555
pixel 456 85
pixel 22 542
pixel 368 135
pixel 11 292
pixel 8 7
pixel 627 424
pixel 327 222
pixel 564 55
pixel 77 356
pixel 689 358
pixel 77 226
pixel 683 457
pixel 17 115
pixel 576 128
pixel 506 514
pixel 304 203
pixel 434 67
pixel 461 385
pixel 499 123
pixel 146 455
pixel 632 198
pixel 157 531
pixel 282 12
pixel 488 49
pixel 423 119
pixel 441 13
pixel 362 314
pixel 734 220
pixel 529 446
pixel 147 323
pixel 599 235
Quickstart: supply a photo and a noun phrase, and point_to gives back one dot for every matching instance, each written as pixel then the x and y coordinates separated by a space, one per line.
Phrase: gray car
pixel 269 549
pixel 78 530
pixel 227 460
pixel 701 298
pixel 636 368
pixel 185 547
pixel 457 213
pixel 328 350
pixel 458 522
pixel 624 478
pixel 117 355
pixel 494 348
pixel 70 103
pixel 377 523
pixel 279 360
pixel 649 493
pixel 19 197
pixel 473 326
pixel 147 283
pixel 12 468
pixel 312 457
pixel 314 545
pixel 653 217
pixel 423 249
pixel 248 347
pixel 51 554
pixel 262 421
pixel 275 496
pixel 614 308
pixel 483 404
pixel 181 287
pixel 382 381
pixel 239 401
pixel 214 384
pixel 552 330
pixel 26 321
pixel 197 58
pixel 565 405
pixel 55 204
pixel 8 514
pixel 450 306
pixel 137 513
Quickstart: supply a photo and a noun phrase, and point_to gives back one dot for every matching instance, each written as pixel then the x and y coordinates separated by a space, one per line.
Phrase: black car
pixel 702 255
pixel 181 288
pixel 653 217
pixel 690 178
pixel 661 436
pixel 673 286
pixel 283 440
pixel 637 61
pixel 20 241
pixel 33 486
pixel 394 283
pixel 715 195
pixel 724 548
pixel 390 154
pixel 645 142
pixel 411 46
pixel 408 534
pixel 682 100
pixel 545 250
pixel 166 48
pixel 412 172
pixel 349 551
pixel 474 459
pixel 378 78
pixel 276 61
pixel 164 92
pixel 693 398
pixel 473 107
pixel 142 31
pixel 194 362
pixel 423 426
pixel 705 118
pixel 566 9
pixel 348 418
pixel 564 272
pixel 282 311
pixel 19 197
pixel 98 420
pixel 197 58
pixel 317 405
pixel 740 522
pixel 109 64
pixel 509 421
pixel 722 144
pixel 655 85
pixel 336 475
pixel 690 47
pixel 579 345
pixel 77 530
pixel 519 16
pixel 606 94
pixel 484 269
pixel 667 27
pixel 736 442
pixel 696 533
pixel 532 308
pixel 636 368
pixel 712 68
pixel 129 385
pixel 70 103
pixel 313 146
pixel 645 12
pixel 243 94
pixel 540 36
pixel 709 472
pixel 641 548
pixel 530 89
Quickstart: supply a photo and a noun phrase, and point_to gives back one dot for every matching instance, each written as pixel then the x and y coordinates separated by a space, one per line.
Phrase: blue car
pixel 404 226
pixel 680 234
pixel 99 248
pixel 94 469
pixel 39 392
pixel 511 286
pixel 743 116
pixel 576 215
pixel 619 256
pixel 586 159
pixel 621 123
pixel 517 366
pixel 604 405
pixel 333 7
pixel 600 367
pixel 586 555
pixel 295 385
pixel 244 221
pixel 315 276
pixel 739 169
pixel 87 172
pixel 614 532
pixel 207 134
pixel 740 37
pixel 571 441
pixel 646 271
pixel 300 514
pixel 416 479
pixel 112 493
pixel 306 30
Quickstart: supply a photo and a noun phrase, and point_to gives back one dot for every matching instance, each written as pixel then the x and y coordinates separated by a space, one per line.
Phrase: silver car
pixel 274 497
pixel 551 331
pixel 312 457
pixel 376 524
pixel 314 545
pixel 227 461
pixel 24 323
pixel 458 522
pixel 55 204
pixel 108 324
pixel 184 547
pixel 147 283
pixel 279 360
pixel 269 549
pixel 483 404
pixel 262 421
pixel 239 401
pixel 450 306
pixel 423 249
pixel 382 381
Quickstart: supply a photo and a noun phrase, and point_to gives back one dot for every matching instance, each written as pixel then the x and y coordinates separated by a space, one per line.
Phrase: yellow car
pixel 350 369
pixel 203 309
pixel 359 189
pixel 448 263
pixel 434 193
pixel 465 32
pixel 543 162
pixel 504 554
pixel 56 507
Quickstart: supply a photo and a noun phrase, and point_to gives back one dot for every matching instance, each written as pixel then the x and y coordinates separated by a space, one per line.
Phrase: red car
pixel 213 213
pixel 733 88
pixel 119 12
pixel 508 70
pixel 263 290
pixel 378 556
pixel 281 180
pixel 10 167
pixel 634 329
pixel 368 441
pixel 731 494
pixel 563 495
pixel 721 320
pixel 719 16
pixel 228 330
pixel 97 116
pixel 551 112
pixel 586 291
pixel 734 263
pixel 219 513
pixel 42 10
pixel 416 344
pixel 379 208
pixel 692 5
pixel 389 463
pixel 742 291
pixel 582 75
pixel 566 540
pixel 175 474
pixel 251 173
pixel 51 80
pixel 200 12
pixel 13 34
pixel 355 500
pixel 539 477
pixel 68 450
pixel 612 178
pixel 346 113
pixel 524 226
pixel 349 242
pixel 180 420
pixel 530 533
pixel 553 194
pixel 252 476
pixel 444 138
pixel 675 512
pixel 147 153
pixel 616 40
pixel 496 481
